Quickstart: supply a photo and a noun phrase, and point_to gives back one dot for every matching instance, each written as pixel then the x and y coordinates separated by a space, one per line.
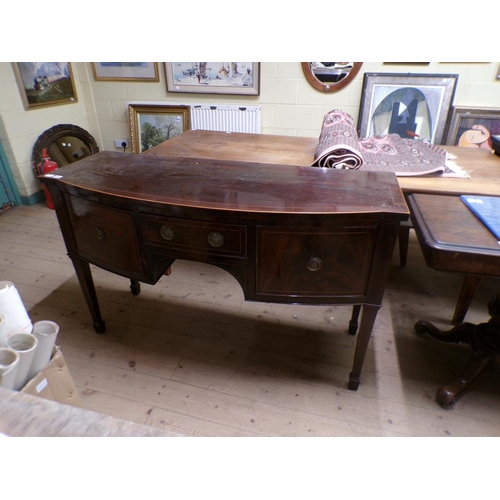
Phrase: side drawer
pixel 314 262
pixel 105 236
pixel 188 236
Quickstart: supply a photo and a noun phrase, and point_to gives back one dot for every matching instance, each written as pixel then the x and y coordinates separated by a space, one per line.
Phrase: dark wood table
pixel 482 166
pixel 453 239
pixel 288 234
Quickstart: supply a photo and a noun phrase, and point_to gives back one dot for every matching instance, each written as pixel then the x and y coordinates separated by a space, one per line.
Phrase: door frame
pixel 8 178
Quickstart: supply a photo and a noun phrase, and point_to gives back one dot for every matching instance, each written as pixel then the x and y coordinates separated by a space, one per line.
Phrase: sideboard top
pixel 234 185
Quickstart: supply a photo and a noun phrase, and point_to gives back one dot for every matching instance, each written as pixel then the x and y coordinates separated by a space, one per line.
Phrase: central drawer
pixel 183 237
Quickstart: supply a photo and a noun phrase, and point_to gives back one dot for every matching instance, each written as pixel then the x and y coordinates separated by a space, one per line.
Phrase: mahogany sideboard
pixel 288 234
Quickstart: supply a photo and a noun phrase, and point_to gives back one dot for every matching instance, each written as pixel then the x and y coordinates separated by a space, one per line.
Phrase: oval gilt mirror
pixel 65 144
pixel 330 76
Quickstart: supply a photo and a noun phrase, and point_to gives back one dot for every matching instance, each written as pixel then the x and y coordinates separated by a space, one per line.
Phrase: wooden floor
pixel 189 355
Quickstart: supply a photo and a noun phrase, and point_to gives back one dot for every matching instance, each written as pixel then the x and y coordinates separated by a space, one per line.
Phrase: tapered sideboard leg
pixel 353 323
pixel 135 287
pixel 365 331
pixel 84 275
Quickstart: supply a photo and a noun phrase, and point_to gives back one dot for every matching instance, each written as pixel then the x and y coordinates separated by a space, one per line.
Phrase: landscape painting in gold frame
pixel 152 124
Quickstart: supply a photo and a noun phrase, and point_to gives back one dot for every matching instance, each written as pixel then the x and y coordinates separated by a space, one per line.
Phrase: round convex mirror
pixel 65 144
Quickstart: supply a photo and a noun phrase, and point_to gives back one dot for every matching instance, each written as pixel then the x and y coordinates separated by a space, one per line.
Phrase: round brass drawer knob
pixel 99 233
pixel 215 240
pixel 167 233
pixel 314 264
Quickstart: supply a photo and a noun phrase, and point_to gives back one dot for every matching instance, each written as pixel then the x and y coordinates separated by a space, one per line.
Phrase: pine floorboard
pixel 189 355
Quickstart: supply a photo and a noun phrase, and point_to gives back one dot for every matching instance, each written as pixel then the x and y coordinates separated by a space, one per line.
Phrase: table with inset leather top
pixel 454 240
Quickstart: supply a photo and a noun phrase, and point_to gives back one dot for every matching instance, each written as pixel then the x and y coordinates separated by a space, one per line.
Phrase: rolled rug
pixel 12 307
pixel 338 145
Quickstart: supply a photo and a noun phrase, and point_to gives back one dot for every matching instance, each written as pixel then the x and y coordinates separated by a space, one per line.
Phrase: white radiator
pixel 226 118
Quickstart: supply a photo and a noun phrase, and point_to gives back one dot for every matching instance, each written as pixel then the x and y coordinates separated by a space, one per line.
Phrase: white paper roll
pixel 9 360
pixel 24 344
pixel 3 330
pixel 46 333
pixel 13 309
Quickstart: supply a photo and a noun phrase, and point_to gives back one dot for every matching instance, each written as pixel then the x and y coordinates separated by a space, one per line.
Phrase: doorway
pixel 9 194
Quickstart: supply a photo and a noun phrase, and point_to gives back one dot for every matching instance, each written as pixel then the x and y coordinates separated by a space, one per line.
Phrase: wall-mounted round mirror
pixel 330 76
pixel 65 144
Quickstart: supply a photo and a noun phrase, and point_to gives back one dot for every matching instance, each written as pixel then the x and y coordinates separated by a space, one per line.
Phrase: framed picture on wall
pixel 151 124
pixel 414 106
pixel 241 78
pixel 45 83
pixel 472 127
pixel 126 71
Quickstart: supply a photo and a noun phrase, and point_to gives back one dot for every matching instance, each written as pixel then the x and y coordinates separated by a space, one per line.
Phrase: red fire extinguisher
pixel 44 167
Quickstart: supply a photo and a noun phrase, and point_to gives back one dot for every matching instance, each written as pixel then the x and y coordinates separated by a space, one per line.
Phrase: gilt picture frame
pixel 473 127
pixel 152 124
pixel 413 105
pixel 45 83
pixel 125 71
pixel 238 78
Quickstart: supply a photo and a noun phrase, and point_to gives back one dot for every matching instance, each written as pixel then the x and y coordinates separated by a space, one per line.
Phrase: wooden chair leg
pixel 469 288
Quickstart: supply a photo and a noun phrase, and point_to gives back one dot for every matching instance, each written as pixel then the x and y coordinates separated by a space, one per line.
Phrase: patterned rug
pixel 340 147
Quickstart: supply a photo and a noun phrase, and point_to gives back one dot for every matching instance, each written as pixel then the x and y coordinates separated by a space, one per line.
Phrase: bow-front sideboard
pixel 288 234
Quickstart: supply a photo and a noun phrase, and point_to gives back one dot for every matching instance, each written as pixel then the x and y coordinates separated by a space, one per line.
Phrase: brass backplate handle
pixel 99 233
pixel 314 264
pixel 215 240
pixel 167 233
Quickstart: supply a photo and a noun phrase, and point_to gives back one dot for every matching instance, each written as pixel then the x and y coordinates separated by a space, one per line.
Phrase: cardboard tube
pixel 9 359
pixel 25 345
pixel 13 309
pixel 3 330
pixel 46 332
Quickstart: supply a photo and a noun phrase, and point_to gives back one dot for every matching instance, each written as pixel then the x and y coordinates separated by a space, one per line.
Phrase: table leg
pixel 484 340
pixel 404 238
pixel 365 331
pixel 469 288
pixel 447 395
pixel 84 275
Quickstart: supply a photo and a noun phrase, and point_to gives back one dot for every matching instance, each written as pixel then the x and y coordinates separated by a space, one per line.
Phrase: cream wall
pixel 20 128
pixel 290 106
